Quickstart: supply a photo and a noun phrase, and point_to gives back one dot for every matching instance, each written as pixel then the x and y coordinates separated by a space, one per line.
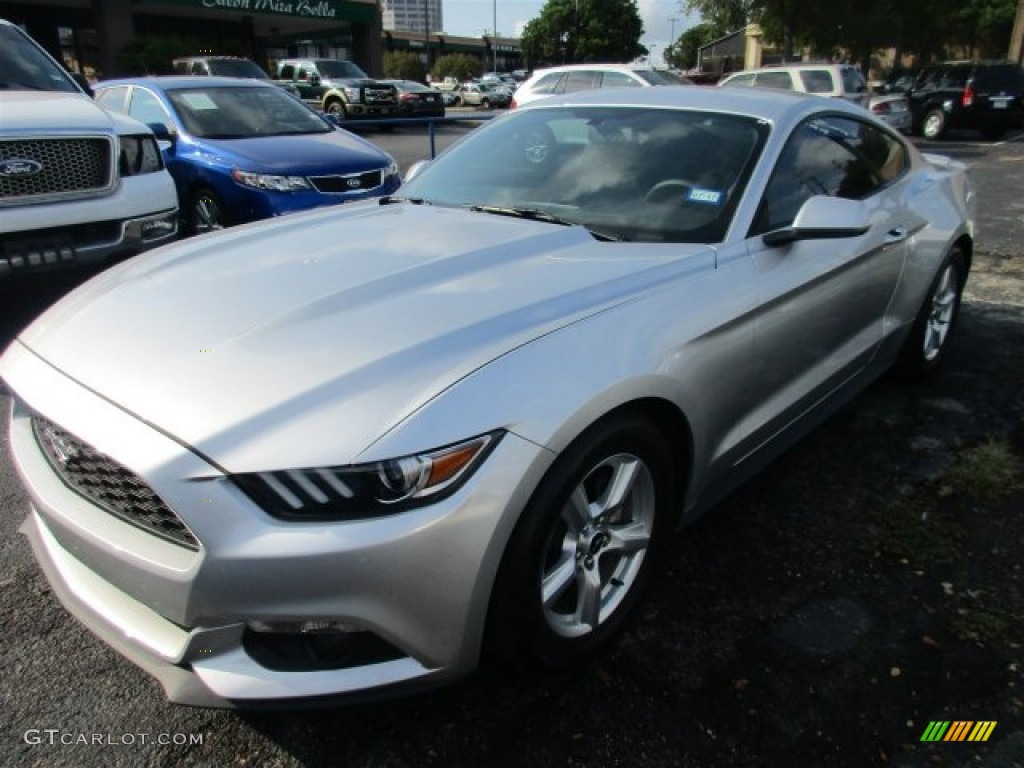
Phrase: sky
pixel 471 17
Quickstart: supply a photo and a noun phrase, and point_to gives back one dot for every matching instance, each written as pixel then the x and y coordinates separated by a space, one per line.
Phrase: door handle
pixel 896 235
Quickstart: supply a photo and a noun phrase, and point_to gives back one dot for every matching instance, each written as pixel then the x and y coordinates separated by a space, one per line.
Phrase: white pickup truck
pixel 78 185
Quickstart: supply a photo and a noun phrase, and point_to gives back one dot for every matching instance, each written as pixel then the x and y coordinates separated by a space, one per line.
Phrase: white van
pixel 841 81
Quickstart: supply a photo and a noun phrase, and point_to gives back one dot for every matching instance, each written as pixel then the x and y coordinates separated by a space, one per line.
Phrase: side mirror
pixel 165 139
pixel 314 79
pixel 823 218
pixel 415 169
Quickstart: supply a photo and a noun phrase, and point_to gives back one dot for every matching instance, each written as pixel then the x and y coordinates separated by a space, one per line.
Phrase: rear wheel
pixel 933 126
pixel 486 103
pixel 582 552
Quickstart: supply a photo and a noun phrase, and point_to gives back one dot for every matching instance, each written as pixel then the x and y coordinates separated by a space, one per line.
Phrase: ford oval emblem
pixel 19 166
pixel 353 183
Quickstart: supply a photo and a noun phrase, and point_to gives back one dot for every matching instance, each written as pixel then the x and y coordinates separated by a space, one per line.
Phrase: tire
pixel 933 328
pixel 581 554
pixel 933 124
pixel 486 103
pixel 337 108
pixel 206 214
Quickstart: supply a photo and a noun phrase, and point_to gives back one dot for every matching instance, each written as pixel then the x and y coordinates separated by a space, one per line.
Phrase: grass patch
pixel 988 471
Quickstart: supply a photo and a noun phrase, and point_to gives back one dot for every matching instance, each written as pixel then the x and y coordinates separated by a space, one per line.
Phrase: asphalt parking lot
pixel 860 588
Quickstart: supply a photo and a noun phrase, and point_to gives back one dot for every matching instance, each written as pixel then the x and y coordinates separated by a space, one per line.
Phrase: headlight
pixel 269 181
pixel 390 171
pixel 139 154
pixel 351 92
pixel 367 490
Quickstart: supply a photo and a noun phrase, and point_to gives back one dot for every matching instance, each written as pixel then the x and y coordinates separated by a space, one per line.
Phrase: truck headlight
pixel 139 154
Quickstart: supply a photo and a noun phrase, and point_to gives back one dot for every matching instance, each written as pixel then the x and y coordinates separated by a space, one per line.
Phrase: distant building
pixel 416 16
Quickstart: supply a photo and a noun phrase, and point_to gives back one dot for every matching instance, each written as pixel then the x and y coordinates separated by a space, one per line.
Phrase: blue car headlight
pixel 271 182
pixel 139 154
pixel 363 491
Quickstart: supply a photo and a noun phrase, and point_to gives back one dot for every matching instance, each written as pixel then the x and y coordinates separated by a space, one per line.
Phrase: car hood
pixel 58 112
pixel 312 336
pixel 334 152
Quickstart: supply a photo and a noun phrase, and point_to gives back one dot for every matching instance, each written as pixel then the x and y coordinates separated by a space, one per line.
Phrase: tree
pixel 569 31
pixel 461 66
pixel 404 65
pixel 682 54
pixel 724 16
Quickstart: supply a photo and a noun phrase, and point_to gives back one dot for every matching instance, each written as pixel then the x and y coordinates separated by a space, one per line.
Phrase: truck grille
pixel 353 182
pixel 57 167
pixel 379 96
pixel 109 485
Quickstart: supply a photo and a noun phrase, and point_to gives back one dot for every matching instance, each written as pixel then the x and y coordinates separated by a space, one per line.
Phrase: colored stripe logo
pixel 958 730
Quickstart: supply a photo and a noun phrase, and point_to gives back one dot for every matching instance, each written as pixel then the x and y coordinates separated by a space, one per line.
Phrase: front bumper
pixel 419 580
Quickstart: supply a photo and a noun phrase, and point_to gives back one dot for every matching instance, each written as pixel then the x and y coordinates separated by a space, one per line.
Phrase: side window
pixel 817 81
pixel 853 81
pixel 303 73
pixel 774 80
pixel 199 68
pixel 741 80
pixel 146 108
pixel 618 80
pixel 113 98
pixel 548 83
pixel 582 81
pixel 287 72
pixel 954 77
pixel 834 156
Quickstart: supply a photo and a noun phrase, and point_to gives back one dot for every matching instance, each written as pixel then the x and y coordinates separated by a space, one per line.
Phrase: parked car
pixel 898 81
pixel 584 77
pixel 339 88
pixel 483 95
pixel 346 451
pixel 450 98
pixel 78 186
pixel 987 96
pixel 839 81
pixel 241 150
pixel 225 66
pixel 417 100
pixel 893 109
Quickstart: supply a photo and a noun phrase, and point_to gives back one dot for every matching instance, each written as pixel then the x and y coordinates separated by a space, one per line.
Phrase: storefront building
pixel 107 38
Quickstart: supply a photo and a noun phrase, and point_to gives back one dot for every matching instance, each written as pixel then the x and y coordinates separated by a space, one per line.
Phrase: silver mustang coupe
pixel 355 449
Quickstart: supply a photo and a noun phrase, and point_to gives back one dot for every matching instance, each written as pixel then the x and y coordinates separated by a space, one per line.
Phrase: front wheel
pixel 206 213
pixel 336 109
pixel 582 552
pixel 930 337
pixel 486 103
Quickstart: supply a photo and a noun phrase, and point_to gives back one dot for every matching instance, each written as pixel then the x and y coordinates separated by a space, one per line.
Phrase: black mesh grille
pixel 34 167
pixel 103 481
pixel 351 183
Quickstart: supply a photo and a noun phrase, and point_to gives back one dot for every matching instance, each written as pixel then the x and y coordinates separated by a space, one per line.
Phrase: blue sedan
pixel 241 150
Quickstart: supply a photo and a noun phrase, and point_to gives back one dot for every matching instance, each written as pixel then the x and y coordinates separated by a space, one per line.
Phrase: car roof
pixel 176 82
pixel 764 103
pixel 603 67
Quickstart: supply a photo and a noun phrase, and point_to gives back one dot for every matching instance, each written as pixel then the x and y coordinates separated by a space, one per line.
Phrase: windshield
pixel 237 68
pixel 659 78
pixel 24 66
pixel 339 70
pixel 628 173
pixel 235 112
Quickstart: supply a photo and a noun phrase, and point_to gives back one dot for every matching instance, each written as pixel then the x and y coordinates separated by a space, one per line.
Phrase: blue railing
pixel 430 121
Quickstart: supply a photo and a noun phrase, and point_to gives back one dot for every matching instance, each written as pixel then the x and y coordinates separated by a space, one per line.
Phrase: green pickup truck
pixel 339 88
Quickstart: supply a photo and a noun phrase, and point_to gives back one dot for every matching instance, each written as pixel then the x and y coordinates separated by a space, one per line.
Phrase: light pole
pixel 494 36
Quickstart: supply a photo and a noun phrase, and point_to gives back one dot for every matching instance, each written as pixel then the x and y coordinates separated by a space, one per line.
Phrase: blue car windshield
pixel 239 112
pixel 627 173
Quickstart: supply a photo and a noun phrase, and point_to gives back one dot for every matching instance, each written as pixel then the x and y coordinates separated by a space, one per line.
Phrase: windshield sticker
pixel 710 196
pixel 198 101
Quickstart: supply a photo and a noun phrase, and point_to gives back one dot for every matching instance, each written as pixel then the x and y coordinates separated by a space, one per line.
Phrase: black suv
pixel 984 95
